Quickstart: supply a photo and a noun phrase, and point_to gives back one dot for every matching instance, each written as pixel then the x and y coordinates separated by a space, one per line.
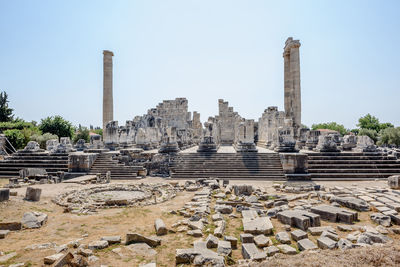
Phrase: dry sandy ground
pixel 64 227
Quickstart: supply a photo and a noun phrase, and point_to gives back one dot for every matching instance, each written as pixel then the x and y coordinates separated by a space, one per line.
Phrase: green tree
pixel 372 123
pixel 98 131
pixel 6 113
pixel 370 133
pixel 82 133
pixel 331 126
pixel 16 138
pixel 57 125
pixel 389 136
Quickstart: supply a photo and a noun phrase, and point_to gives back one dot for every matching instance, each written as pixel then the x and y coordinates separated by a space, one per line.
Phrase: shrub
pixel 42 139
pixel 389 136
pixel 16 138
pixel 370 133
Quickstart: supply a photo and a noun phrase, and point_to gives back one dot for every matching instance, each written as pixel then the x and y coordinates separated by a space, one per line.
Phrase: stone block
pixel 98 244
pixel 246 238
pixel 4 194
pixel 33 219
pixel 271 250
pixel 12 226
pixel 394 182
pixel 286 249
pixel 112 239
pixel 283 237
pixel 260 225
pixel 298 235
pixel 232 240
pixel 326 243
pixel 262 241
pixel 299 218
pixel 52 258
pixel 224 248
pixel 152 241
pixel 250 251
pixel 4 233
pixel 223 209
pixel 335 214
pixel 33 194
pixel 220 229
pixel 306 244
pixel 160 227
pixel 211 241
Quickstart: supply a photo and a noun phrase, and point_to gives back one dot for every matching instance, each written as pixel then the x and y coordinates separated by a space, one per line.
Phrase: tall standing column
pixel 108 109
pixel 291 57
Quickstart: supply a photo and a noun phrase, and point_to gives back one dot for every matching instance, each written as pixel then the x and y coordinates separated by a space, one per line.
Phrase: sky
pixel 204 50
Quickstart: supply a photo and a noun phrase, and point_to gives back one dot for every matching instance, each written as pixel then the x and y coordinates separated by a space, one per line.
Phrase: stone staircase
pixel 11 165
pixel 255 166
pixel 352 166
pixel 119 171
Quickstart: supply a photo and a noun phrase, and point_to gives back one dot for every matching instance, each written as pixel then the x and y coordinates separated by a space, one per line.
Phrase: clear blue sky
pixel 51 57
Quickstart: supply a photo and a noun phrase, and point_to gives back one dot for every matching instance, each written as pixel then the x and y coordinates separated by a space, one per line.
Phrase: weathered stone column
pixel 108 109
pixel 291 57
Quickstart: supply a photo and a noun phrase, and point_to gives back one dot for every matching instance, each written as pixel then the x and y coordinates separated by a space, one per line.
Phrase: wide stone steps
pixel 352 166
pixel 260 166
pixel 119 171
pixel 52 163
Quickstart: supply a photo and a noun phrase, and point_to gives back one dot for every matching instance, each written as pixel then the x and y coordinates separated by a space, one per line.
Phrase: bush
pixel 83 133
pixel 331 126
pixel 370 133
pixel 42 139
pixel 98 131
pixel 389 136
pixel 16 138
pixel 19 125
pixel 58 126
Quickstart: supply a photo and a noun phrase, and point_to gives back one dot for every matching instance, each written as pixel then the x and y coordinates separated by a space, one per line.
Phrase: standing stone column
pixel 291 57
pixel 108 109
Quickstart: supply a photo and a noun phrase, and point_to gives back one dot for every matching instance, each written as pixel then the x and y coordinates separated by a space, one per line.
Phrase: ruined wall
pixel 268 127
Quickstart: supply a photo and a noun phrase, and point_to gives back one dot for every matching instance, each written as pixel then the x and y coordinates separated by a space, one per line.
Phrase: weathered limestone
pixel 256 225
pixel 80 162
pixel 138 238
pixel 262 241
pixel 33 194
pixel 325 242
pixel 365 144
pixel 108 109
pixel 33 219
pixel 295 165
pixel 349 142
pixel 4 194
pixel 100 244
pixel 298 235
pixel 306 244
pixel 160 227
pixel 326 143
pixel 352 203
pixel 291 57
pixel 394 181
pixel 4 233
pixel 250 251
pixel 286 249
pixel 224 248
pixel 299 218
pixel 283 237
pixel 114 239
pixel 335 214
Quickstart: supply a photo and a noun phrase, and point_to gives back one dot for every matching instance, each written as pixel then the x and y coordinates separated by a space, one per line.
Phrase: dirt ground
pixel 62 228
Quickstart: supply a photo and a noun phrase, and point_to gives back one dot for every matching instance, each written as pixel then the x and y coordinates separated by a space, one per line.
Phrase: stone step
pixel 354 166
pixel 349 176
pixel 372 170
pixel 353 162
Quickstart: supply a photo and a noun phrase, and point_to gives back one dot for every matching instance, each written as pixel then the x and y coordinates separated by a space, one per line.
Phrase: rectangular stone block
pixel 33 194
pixel 4 194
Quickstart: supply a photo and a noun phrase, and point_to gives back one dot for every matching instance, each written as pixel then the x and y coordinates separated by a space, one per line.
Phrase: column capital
pixel 108 53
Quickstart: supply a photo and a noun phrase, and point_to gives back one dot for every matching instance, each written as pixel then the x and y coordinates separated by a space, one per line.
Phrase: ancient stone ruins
pixel 165 189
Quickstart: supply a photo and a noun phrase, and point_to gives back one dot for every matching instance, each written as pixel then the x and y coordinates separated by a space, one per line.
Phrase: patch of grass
pixel 295 247
pixel 127 259
pixel 41 210
pixel 229 260
pixel 60 229
pixel 140 258
pixel 274 241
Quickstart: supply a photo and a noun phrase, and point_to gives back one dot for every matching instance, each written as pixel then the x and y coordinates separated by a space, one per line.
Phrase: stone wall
pixel 81 162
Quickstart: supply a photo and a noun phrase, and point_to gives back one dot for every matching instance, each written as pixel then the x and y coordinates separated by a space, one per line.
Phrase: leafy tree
pixel 6 113
pixel 355 131
pixel 57 125
pixel 98 131
pixel 16 138
pixel 83 133
pixel 331 126
pixel 370 133
pixel 372 123
pixel 389 136
pixel 42 138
